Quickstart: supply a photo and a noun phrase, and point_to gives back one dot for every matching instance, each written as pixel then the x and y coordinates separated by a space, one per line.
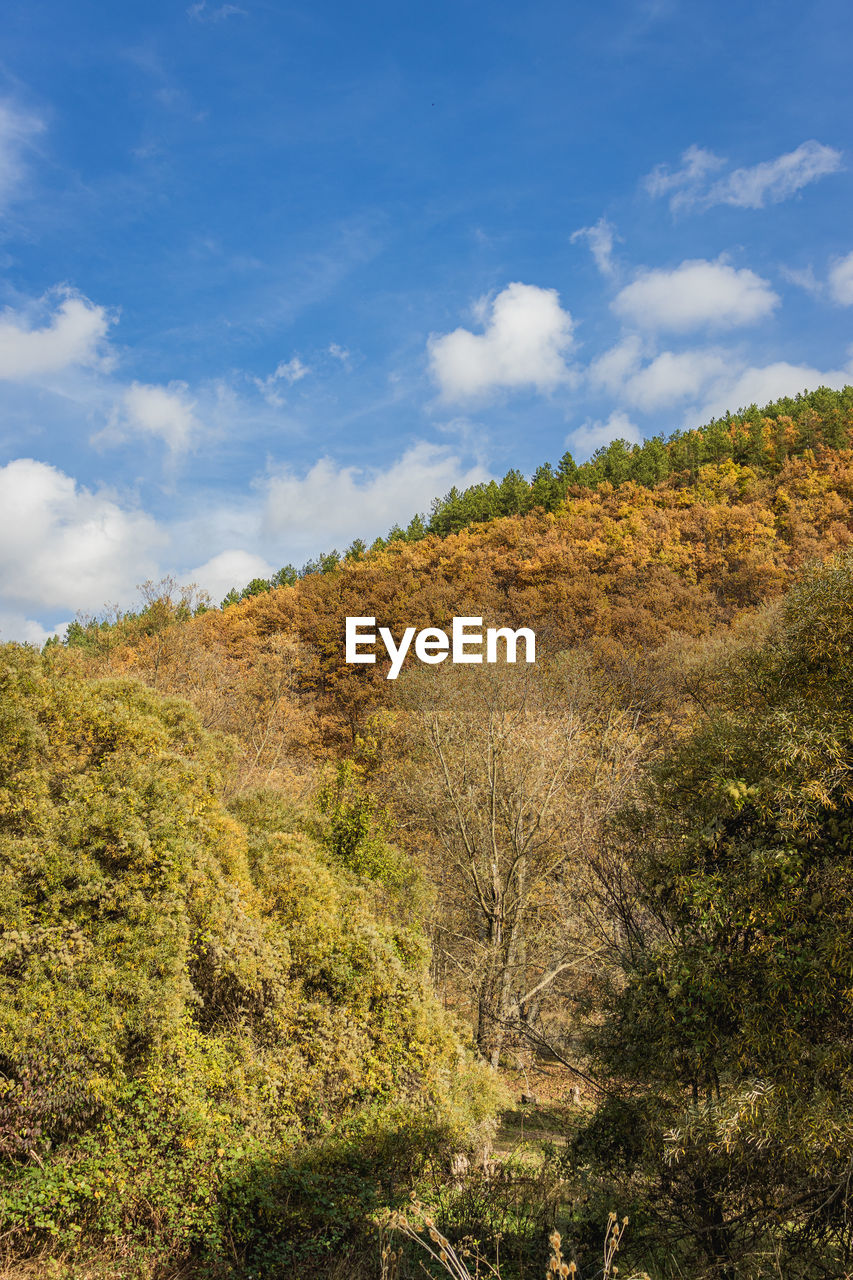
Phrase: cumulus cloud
pixel 66 547
pixel 18 129
pixel 751 187
pixel 232 568
pixel 841 281
pixel 763 383
pixel 332 504
pixel 610 371
pixel 17 626
pixel 524 342
pixel 695 294
pixel 600 237
pixel 712 379
pixel 647 381
pixel 74 335
pixel 674 376
pixel 167 413
pixel 592 435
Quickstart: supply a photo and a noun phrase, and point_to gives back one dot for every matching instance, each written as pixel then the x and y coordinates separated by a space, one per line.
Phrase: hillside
pixel 615 562
pixel 281 937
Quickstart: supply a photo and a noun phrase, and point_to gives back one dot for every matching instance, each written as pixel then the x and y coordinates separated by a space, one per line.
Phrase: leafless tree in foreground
pixel 507 775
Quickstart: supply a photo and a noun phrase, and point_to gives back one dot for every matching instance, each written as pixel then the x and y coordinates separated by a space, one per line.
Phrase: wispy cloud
pixel 202 12
pixel 837 285
pixel 841 281
pixel 288 371
pixel 753 187
pixel 18 130
pixel 600 237
pixel 683 184
pixel 803 278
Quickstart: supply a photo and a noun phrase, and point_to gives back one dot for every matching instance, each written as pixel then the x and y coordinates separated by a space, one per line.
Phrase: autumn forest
pixel 477 972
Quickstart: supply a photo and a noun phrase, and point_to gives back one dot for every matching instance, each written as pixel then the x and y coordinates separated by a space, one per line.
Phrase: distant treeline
pixel 761 439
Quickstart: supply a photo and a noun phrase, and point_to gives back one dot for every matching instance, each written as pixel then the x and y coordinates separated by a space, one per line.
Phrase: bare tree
pixel 507 775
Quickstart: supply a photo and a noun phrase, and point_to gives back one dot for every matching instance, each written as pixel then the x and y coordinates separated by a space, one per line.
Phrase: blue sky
pixel 274 276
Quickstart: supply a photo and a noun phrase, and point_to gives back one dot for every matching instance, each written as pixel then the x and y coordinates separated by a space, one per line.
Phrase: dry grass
pixel 465 1261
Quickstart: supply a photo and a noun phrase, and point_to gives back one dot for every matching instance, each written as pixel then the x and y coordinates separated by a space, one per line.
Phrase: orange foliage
pixel 629 564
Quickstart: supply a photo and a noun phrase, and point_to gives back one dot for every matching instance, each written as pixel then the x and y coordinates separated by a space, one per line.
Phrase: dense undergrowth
pixel 215 1038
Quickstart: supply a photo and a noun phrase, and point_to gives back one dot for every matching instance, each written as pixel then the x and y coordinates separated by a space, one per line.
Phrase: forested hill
pixel 240 937
pixel 625 564
pixel 761 439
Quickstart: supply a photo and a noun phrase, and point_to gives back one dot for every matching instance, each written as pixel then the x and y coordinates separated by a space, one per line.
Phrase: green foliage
pixel 737 999
pixel 185 992
pixel 356 550
pixel 326 563
pixel 357 830
pixel 285 577
pixel 760 439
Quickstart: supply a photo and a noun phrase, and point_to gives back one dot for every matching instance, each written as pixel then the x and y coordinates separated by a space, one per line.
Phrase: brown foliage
pixel 629 564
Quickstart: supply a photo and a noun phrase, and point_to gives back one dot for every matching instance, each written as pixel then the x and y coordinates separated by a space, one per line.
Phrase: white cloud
pixel 201 13
pixel 712 379
pixel 291 370
pixel 694 294
pixel 17 626
pixel 66 547
pixel 163 412
pixel 331 505
pixel 288 371
pixel 600 237
pixel 696 164
pixel 74 335
pixel 526 337
pixel 751 187
pixel 673 376
pixel 776 180
pixel 17 131
pixel 762 384
pixel 803 278
pixel 841 280
pixel 592 435
pixel 611 370
pixel 233 568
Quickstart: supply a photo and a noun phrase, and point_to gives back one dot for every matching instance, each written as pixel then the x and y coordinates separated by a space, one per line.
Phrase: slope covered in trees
pixel 254 888
pixel 760 439
pixel 624 565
